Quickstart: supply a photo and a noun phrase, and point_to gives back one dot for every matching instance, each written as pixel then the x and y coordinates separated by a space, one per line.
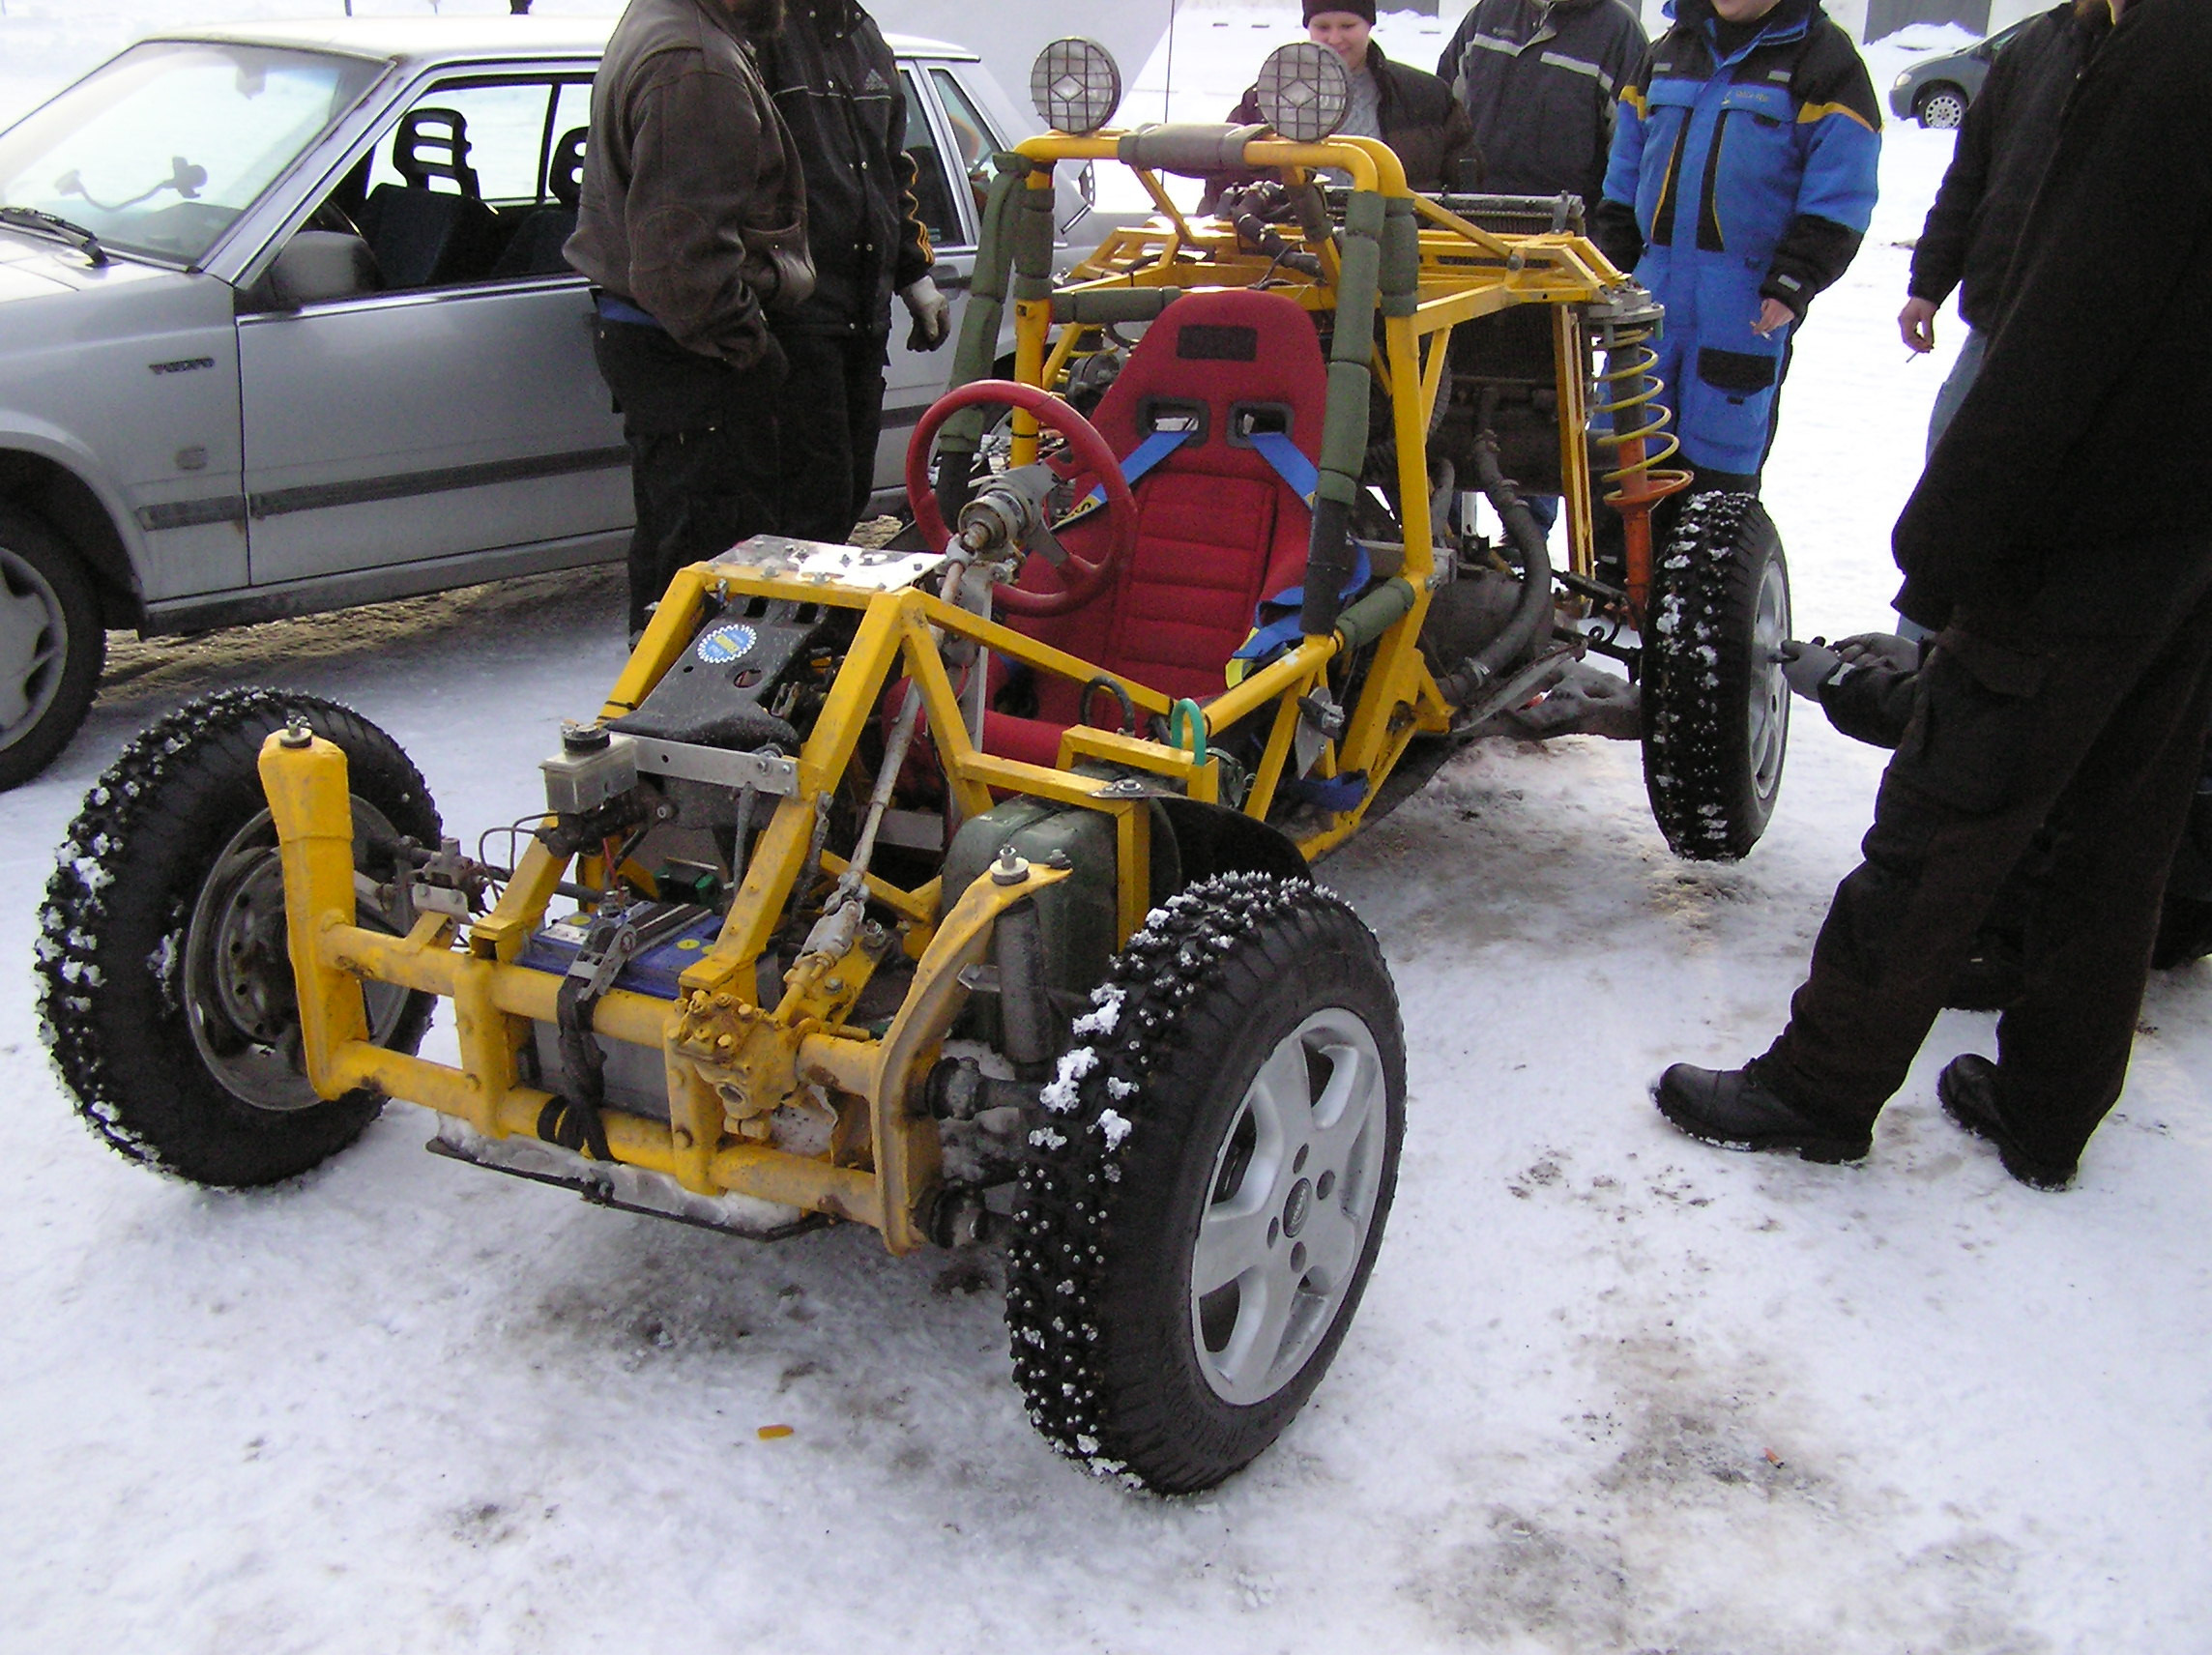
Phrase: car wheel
pixel 1210 1179
pixel 1941 106
pixel 1716 707
pixel 52 645
pixel 165 983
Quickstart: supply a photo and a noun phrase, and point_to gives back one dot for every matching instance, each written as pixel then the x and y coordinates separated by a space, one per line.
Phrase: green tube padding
pixel 1377 613
pixel 1401 274
pixel 977 352
pixel 1110 305
pixel 1033 244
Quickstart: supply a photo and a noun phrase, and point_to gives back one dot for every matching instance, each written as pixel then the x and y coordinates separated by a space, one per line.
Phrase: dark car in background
pixel 1938 91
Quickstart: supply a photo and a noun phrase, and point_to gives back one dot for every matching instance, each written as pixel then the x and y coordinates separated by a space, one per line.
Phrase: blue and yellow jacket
pixel 1764 156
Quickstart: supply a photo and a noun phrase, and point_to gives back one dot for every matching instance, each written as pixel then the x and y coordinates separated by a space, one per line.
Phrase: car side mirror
pixel 318 266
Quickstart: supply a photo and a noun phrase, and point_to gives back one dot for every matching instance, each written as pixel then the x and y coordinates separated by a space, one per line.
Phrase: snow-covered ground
pixel 1609 1390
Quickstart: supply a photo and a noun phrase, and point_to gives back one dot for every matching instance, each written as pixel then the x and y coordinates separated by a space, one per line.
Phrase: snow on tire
pixel 1211 1174
pixel 1716 707
pixel 165 990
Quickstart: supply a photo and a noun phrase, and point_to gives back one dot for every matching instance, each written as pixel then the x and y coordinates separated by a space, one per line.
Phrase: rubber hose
pixel 1533 610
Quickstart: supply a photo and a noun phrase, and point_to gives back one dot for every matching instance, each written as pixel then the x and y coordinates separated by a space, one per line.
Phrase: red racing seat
pixel 1218 527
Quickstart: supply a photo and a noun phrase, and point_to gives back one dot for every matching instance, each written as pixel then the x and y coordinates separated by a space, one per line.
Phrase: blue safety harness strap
pixel 1301 475
pixel 1142 459
pixel 1284 630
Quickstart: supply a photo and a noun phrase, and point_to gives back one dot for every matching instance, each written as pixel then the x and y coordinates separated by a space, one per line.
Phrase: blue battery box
pixel 654 972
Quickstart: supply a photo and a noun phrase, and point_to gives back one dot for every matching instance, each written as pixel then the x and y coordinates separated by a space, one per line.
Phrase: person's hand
pixel 932 314
pixel 1808 666
pixel 1916 322
pixel 1772 314
pixel 1884 649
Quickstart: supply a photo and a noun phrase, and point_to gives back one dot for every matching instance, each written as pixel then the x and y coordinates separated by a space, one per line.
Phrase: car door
pixel 946 199
pixel 456 413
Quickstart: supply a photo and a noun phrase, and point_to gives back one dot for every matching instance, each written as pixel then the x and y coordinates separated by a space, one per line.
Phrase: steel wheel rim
pixel 1291 1201
pixel 34 642
pixel 1770 699
pixel 239 995
pixel 1943 110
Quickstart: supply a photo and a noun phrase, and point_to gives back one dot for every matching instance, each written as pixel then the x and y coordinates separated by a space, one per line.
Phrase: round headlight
pixel 1075 86
pixel 1303 91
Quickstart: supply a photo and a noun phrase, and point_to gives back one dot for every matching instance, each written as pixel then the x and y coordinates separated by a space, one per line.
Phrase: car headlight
pixel 1901 82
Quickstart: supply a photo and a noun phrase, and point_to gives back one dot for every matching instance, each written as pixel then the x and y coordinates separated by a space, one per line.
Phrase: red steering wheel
pixel 1080 579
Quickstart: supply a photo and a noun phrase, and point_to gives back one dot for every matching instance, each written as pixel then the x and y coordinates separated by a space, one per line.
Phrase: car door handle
pixel 950 278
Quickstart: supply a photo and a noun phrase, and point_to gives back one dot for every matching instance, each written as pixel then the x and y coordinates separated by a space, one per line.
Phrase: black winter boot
pixel 1731 1108
pixel 1968 1088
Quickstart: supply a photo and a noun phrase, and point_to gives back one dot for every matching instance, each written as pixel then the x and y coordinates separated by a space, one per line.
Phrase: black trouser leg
pixel 702 439
pixel 832 410
pixel 2098 734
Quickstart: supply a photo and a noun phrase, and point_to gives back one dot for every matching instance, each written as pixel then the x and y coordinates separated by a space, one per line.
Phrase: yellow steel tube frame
pixel 718 1040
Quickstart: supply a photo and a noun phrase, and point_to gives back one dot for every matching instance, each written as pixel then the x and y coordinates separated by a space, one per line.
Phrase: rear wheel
pixel 1715 705
pixel 1211 1179
pixel 52 645
pixel 1942 106
pixel 165 970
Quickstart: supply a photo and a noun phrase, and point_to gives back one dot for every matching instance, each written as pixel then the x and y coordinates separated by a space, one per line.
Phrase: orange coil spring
pixel 1628 390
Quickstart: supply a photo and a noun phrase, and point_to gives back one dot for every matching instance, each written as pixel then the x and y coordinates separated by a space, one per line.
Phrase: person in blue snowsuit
pixel 1740 183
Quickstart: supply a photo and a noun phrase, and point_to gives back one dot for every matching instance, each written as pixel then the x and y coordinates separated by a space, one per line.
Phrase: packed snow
pixel 1609 1390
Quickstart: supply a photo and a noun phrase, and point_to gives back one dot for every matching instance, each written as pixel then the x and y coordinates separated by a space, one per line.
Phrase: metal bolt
pixel 297 735
pixel 683 1137
pixel 1010 868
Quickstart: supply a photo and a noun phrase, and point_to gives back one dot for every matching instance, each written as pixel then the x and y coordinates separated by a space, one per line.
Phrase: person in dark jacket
pixel 837 87
pixel 1412 111
pixel 1538 79
pixel 2060 544
pixel 1741 181
pixel 1969 239
pixel 692 227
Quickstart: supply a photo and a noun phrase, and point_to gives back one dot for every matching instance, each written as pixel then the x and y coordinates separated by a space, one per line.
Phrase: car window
pixel 932 186
pixel 161 149
pixel 502 140
pixel 969 130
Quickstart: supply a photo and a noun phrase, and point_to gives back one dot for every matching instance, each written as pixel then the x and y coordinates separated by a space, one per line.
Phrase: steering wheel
pixel 1080 579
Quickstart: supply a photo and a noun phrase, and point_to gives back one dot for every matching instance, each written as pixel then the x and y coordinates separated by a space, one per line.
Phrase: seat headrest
pixel 564 176
pixel 434 143
pixel 1215 358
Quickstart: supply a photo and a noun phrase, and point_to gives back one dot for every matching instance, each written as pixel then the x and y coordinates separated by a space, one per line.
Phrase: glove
pixel 1808 666
pixel 1880 649
pixel 932 314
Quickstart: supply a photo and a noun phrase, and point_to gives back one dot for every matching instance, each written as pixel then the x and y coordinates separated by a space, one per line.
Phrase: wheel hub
pixel 240 995
pixel 1295 1208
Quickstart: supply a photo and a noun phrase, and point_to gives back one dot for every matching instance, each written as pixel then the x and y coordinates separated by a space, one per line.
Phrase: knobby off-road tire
pixel 1716 707
pixel 1211 1172
pixel 165 985
pixel 52 645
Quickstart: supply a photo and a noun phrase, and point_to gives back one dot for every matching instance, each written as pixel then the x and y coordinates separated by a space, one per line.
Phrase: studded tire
pixel 1247 1035
pixel 165 990
pixel 1715 705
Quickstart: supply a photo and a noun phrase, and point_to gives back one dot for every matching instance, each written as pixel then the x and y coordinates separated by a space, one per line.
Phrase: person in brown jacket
pixel 691 227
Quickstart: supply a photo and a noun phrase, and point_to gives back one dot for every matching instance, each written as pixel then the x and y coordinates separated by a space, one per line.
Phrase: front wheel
pixel 52 645
pixel 1942 107
pixel 1213 1172
pixel 1715 705
pixel 165 983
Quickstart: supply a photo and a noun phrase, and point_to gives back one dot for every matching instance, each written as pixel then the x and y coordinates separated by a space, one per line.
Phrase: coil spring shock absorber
pixel 1628 399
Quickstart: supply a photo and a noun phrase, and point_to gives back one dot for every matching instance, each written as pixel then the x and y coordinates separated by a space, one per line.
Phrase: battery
pixel 655 971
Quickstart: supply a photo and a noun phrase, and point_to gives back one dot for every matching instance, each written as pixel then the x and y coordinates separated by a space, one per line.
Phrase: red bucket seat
pixel 1218 527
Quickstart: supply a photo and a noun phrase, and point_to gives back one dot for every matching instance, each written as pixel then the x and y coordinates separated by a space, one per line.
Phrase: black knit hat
pixel 1357 8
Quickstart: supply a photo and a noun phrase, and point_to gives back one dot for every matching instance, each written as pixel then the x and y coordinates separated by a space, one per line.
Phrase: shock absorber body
pixel 1627 403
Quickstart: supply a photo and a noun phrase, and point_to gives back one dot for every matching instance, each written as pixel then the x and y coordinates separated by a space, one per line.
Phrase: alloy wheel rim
pixel 1770 699
pixel 1290 1203
pixel 34 634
